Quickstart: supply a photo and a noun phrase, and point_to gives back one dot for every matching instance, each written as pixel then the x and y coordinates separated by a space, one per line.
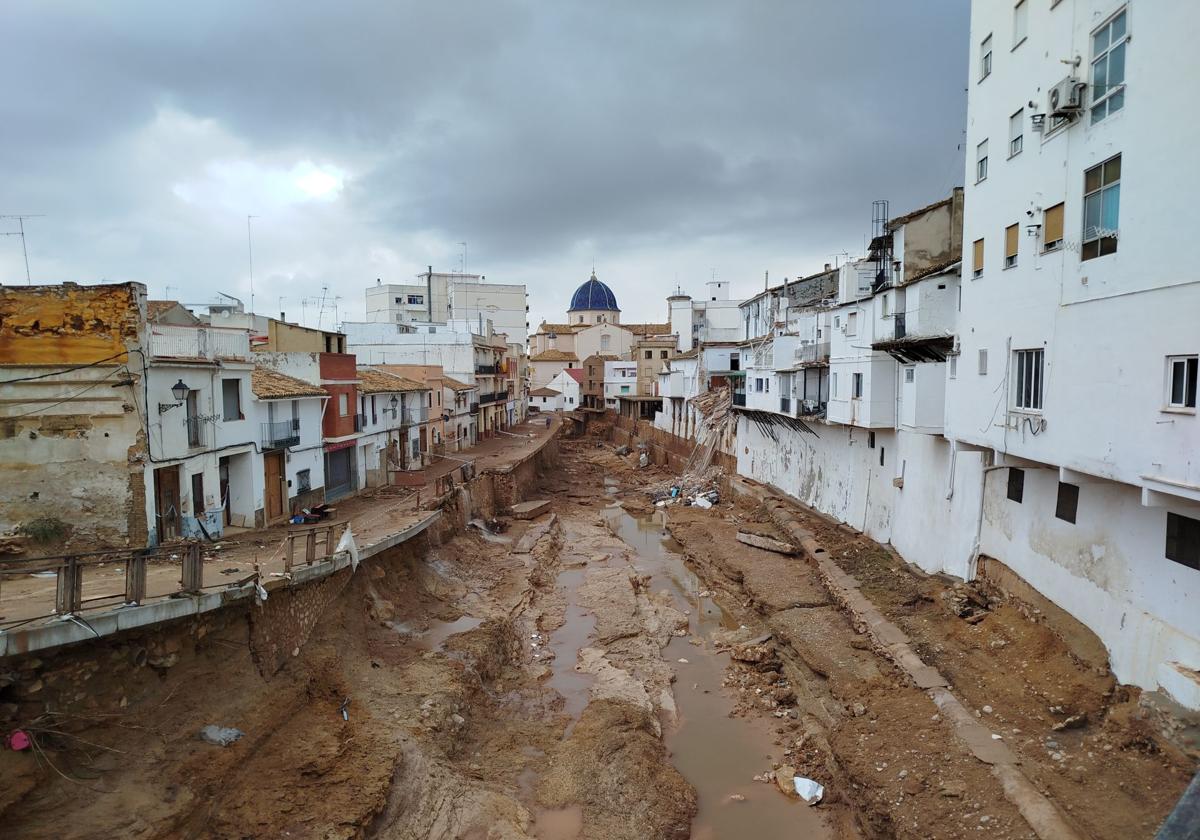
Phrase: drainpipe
pixel 973 562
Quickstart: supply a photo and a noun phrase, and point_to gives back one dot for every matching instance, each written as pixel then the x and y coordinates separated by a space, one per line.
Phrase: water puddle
pixel 439 631
pixel 717 754
pixel 566 641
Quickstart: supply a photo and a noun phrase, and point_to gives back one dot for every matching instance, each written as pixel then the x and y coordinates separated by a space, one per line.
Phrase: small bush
pixel 44 529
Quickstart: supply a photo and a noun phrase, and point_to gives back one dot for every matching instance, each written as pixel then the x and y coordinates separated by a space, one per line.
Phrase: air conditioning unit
pixel 1066 98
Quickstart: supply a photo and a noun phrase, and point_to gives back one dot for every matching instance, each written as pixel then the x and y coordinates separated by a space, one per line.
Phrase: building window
pixel 981 156
pixel 884 305
pixel 870 440
pixel 1016 133
pixel 977 266
pixel 983 361
pixel 416 299
pixel 1108 67
pixel 953 366
pixel 1068 502
pixel 1016 485
pixel 1020 22
pixel 1028 391
pixel 1181 382
pixel 985 58
pixel 910 373
pixel 605 341
pixel 649 354
pixel 303 481
pixel 758 384
pixel 231 399
pixel 833 385
pixel 1052 227
pixel 1011 238
pixel 399 300
pixel 624 389
pixel 767 385
pixel 1101 208
pixel 856 382
pixel 852 323
pixel 343 404
pixel 1183 540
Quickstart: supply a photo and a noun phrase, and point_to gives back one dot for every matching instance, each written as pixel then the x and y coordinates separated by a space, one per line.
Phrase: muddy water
pixel 717 754
pixel 566 642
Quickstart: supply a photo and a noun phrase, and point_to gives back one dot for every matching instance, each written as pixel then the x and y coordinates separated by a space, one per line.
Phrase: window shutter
pixel 1053 221
pixel 979 255
pixel 1010 240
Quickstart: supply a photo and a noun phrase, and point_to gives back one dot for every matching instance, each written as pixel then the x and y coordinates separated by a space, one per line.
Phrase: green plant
pixel 44 529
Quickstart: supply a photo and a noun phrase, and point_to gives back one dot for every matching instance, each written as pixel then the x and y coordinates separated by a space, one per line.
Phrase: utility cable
pixel 66 370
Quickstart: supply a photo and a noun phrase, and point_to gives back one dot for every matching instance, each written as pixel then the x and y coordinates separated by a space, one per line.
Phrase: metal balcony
pixel 486 369
pixel 281 434
pixel 195 431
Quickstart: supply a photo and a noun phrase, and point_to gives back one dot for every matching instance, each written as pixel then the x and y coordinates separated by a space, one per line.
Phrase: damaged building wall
pixel 71 439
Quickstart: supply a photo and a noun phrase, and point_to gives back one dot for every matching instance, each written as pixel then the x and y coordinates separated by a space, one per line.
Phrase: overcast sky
pixel 666 141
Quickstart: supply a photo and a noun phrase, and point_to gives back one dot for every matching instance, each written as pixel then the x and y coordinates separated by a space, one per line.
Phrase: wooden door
pixel 166 503
pixel 275 497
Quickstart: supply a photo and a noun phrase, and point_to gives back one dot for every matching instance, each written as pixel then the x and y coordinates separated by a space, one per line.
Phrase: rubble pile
pixel 692 488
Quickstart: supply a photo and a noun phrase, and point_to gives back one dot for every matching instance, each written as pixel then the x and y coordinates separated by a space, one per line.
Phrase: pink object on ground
pixel 18 740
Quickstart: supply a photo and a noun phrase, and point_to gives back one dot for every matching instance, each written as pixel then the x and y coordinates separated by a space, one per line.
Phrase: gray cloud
pixel 665 140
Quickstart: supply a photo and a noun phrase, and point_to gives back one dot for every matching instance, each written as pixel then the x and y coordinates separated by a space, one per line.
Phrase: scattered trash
pixel 702 503
pixel 18 740
pixel 1073 722
pixel 808 790
pixel 221 736
pixel 345 709
pixel 621 450
pixel 684 661
pixel 232 570
pixel 736 797
pixel 643 460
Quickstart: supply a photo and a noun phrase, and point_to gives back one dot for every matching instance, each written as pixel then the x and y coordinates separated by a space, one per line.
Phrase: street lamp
pixel 179 391
pixel 394 404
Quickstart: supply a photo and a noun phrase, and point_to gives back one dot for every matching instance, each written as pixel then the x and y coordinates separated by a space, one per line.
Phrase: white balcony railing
pixel 173 342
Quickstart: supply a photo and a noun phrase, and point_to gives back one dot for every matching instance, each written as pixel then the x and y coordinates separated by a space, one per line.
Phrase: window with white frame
pixel 1020 22
pixel 1109 43
pixel 1181 382
pixel 884 304
pixel 981 158
pixel 910 373
pixel 954 366
pixel 856 383
pixel 1027 390
pixel 1016 133
pixel 985 58
pixel 983 361
pixel 833 385
pixel 605 341
pixel 1101 209
pixel 852 323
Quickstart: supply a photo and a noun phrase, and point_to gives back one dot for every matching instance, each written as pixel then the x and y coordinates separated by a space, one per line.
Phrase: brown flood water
pixel 717 754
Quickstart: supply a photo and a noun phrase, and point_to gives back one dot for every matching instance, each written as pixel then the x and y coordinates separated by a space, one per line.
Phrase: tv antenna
pixel 20 231
pixel 462 259
pixel 250 254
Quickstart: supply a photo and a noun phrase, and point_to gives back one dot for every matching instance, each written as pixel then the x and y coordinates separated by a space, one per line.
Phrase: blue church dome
pixel 593 295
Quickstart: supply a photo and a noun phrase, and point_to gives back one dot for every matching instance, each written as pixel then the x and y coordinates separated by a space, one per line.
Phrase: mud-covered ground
pixel 578 676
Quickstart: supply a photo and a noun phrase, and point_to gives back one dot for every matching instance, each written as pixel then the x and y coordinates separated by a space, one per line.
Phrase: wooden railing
pixel 326 535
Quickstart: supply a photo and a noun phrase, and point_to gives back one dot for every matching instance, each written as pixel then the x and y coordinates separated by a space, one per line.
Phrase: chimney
pixel 827 266
pixel 283 317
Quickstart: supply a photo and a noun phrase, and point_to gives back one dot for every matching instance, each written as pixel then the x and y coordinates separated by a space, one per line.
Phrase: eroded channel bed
pixel 602 671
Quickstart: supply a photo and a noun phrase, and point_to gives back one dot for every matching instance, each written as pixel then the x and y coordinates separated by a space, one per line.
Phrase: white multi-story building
pixel 1079 329
pixel 438 297
pixel 620 379
pixel 716 317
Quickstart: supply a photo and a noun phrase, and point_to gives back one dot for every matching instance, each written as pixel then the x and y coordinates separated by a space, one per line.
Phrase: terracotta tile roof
pixel 690 354
pixel 647 329
pixel 558 328
pixel 575 373
pixel 454 385
pixel 543 392
pixel 154 308
pixel 372 381
pixel 554 356
pixel 270 384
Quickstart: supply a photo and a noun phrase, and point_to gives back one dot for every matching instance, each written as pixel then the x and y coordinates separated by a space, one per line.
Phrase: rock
pixel 765 543
pixel 783 695
pixel 912 786
pixel 621 450
pixel 736 797
pixel 783 779
pixel 858 710
pixel 459 720
pixel 1073 722
pixel 953 790
pixel 987 710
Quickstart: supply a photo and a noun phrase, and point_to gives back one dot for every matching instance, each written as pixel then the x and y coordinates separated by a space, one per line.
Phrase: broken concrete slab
pixel 765 543
pixel 530 510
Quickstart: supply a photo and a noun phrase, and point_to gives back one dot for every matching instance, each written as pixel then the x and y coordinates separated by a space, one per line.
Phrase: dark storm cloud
pixel 726 136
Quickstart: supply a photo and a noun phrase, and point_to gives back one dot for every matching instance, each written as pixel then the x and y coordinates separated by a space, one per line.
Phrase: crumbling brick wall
pixel 281 625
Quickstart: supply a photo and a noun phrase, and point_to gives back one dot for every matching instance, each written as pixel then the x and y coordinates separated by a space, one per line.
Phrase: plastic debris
pixel 345 709
pixel 221 736
pixel 808 790
pixel 702 503
pixel 18 740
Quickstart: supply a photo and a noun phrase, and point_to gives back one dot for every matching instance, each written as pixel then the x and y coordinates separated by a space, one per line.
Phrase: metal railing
pixel 178 342
pixel 491 398
pixel 785 405
pixel 810 354
pixel 195 431
pixel 281 433
pixel 486 369
pixel 414 414
pixel 475 407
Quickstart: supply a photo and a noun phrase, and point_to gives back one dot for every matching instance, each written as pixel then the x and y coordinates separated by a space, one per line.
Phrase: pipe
pixel 973 562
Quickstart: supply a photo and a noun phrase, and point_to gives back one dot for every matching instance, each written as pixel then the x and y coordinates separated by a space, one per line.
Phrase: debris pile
pixel 692 488
pixel 967 603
